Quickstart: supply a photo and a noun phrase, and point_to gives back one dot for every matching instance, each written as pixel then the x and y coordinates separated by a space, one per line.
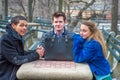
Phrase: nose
pixel 25 28
pixel 58 23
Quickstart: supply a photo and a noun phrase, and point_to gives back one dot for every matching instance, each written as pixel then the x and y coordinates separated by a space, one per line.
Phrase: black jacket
pixel 58 47
pixel 12 54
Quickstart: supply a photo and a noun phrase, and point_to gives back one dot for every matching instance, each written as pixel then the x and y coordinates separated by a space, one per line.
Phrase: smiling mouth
pixel 23 31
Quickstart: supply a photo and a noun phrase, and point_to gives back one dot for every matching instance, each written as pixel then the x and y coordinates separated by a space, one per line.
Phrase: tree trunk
pixel 30 15
pixel 60 5
pixel 6 8
pixel 114 26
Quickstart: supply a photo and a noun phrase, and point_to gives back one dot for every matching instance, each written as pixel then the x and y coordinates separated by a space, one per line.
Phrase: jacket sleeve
pixel 77 47
pixel 9 51
pixel 87 53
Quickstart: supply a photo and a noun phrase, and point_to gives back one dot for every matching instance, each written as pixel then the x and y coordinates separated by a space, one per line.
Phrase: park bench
pixel 44 23
pixel 3 24
pixel 113 46
pixel 31 37
pixel 2 28
pixel 31 41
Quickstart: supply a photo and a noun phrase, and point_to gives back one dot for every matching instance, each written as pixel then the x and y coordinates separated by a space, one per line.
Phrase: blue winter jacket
pixel 12 54
pixel 90 51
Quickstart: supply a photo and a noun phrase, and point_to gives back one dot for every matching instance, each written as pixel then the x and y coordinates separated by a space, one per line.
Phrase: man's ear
pixel 13 25
pixel 65 21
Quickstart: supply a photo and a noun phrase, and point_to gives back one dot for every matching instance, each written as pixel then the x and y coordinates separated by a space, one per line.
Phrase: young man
pixel 12 54
pixel 57 41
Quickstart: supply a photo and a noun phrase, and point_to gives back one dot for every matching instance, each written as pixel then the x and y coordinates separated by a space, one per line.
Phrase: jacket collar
pixel 12 32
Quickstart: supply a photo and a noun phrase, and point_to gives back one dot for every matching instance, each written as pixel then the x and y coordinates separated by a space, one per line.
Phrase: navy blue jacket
pixel 90 51
pixel 12 54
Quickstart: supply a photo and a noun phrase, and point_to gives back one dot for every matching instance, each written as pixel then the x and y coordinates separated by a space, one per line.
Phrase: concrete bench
pixel 54 70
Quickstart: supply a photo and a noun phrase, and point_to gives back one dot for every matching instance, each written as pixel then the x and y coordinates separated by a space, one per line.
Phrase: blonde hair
pixel 96 35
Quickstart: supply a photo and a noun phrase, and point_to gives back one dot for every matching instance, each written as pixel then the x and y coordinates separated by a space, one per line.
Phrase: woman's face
pixel 84 31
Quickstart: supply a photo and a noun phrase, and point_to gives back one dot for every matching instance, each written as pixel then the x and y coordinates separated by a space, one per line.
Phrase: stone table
pixel 54 70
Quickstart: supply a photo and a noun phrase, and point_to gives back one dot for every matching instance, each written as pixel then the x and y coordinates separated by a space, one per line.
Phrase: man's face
pixel 21 27
pixel 58 23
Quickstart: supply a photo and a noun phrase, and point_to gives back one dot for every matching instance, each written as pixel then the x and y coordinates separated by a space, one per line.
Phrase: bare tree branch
pixel 78 17
pixel 20 3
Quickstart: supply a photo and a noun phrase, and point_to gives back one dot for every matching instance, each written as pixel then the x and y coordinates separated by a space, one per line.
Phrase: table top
pixel 54 70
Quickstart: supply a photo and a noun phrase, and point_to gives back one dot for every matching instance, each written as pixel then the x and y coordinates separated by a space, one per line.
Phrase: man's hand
pixel 40 50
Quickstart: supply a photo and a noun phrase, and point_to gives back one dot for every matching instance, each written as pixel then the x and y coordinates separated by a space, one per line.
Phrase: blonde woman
pixel 90 47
